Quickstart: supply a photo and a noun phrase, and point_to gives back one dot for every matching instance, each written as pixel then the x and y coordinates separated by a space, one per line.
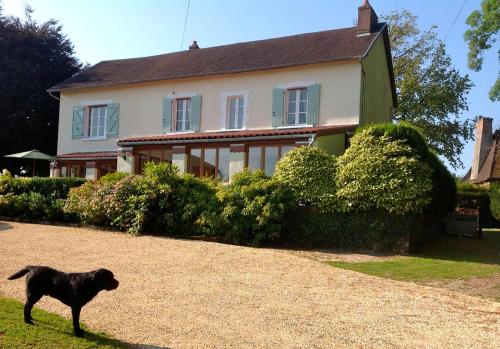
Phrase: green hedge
pixel 373 230
pixel 36 198
pixel 310 174
pixel 443 194
pixel 253 209
pixel 494 194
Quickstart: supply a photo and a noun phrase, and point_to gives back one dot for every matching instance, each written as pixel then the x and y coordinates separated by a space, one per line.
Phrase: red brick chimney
pixel 483 140
pixel 367 19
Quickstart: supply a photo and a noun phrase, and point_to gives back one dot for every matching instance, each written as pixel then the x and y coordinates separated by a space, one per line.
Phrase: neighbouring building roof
pixel 490 169
pixel 295 50
pixel 235 135
pixel 101 155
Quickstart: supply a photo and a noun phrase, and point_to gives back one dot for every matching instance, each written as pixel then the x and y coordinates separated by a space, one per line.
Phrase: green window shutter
pixel 112 119
pixel 77 125
pixel 313 94
pixel 166 120
pixel 277 117
pixel 195 113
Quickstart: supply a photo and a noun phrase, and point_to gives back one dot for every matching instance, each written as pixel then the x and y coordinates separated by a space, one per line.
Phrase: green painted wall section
pixel 376 93
pixel 333 144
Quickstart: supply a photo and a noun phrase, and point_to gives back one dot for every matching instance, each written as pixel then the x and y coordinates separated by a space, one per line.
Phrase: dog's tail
pixel 20 273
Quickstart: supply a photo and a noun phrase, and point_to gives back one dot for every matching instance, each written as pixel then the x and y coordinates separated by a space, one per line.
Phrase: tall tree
pixel 484 27
pixel 431 92
pixel 33 57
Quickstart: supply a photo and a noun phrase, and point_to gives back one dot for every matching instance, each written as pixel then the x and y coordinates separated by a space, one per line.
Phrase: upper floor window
pixel 183 114
pixel 96 120
pixel 235 111
pixel 296 111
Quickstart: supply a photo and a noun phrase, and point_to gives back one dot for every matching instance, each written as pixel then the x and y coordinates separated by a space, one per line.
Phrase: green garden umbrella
pixel 32 154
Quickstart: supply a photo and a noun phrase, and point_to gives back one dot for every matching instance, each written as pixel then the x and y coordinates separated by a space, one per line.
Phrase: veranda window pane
pixel 302 118
pixel 254 158
pixel 156 155
pixel 167 155
pixel 209 163
pixel 223 168
pixel 271 157
pixel 195 161
pixel 285 149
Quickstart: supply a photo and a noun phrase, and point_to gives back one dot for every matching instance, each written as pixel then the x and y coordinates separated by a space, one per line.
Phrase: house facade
pixel 214 111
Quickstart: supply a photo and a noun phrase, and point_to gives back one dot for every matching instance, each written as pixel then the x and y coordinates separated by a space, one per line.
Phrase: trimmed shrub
pixel 372 230
pixel 494 194
pixel 310 173
pixel 36 198
pixel 254 208
pixel 377 172
pixel 50 187
pixel 443 194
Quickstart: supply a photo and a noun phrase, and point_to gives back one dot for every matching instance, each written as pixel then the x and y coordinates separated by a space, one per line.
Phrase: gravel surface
pixel 195 294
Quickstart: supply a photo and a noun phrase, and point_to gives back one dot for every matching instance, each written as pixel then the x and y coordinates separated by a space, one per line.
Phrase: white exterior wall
pixel 141 104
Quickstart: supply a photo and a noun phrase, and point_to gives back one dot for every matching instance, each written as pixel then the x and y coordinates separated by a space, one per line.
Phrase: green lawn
pixel 49 330
pixel 444 259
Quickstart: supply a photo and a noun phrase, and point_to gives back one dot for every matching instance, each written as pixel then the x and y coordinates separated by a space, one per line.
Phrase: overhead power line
pixel 185 23
pixel 455 20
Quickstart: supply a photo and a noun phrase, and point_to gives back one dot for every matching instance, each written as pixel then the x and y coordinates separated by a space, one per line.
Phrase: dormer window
pixel 296 112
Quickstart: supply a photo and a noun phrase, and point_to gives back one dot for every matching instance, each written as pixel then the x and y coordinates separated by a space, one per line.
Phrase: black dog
pixel 73 289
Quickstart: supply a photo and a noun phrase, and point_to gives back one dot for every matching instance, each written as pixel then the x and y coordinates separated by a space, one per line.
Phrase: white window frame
pixel 95 103
pixel 184 112
pixel 224 109
pixel 91 121
pixel 297 106
pixel 238 99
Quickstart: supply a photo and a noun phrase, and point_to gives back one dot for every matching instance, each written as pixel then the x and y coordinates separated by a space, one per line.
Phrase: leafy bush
pixel 310 173
pixel 443 194
pixel 35 198
pixel 494 194
pixel 158 202
pixel 470 189
pixel 373 230
pixel 377 172
pixel 254 208
pixel 53 187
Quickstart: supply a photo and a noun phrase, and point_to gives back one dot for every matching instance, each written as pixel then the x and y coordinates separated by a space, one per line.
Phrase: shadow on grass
pixel 5 226
pixel 485 250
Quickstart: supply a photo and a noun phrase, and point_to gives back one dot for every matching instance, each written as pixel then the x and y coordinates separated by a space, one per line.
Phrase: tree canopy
pixel 33 57
pixel 432 94
pixel 484 26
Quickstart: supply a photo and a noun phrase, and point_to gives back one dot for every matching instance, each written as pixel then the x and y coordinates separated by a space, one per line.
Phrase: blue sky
pixel 111 29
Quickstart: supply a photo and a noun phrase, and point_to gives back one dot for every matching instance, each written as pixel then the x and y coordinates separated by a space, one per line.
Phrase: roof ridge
pixel 226 45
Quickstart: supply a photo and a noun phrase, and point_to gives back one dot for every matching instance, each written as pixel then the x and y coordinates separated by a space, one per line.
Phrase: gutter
pixel 51 95
pixel 216 140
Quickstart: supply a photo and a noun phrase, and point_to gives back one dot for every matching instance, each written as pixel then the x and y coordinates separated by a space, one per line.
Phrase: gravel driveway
pixel 194 294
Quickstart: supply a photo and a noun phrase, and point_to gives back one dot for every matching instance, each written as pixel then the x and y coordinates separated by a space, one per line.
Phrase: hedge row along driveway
pixel 192 294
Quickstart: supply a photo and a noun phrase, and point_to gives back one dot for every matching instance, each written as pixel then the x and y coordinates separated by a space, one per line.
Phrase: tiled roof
pixel 310 48
pixel 235 135
pixel 490 170
pixel 89 155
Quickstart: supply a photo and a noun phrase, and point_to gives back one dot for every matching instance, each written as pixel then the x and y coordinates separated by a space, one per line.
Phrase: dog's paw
pixel 29 321
pixel 79 333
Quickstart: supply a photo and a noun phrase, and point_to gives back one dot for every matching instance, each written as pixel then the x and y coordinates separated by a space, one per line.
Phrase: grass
pixel 445 259
pixel 49 331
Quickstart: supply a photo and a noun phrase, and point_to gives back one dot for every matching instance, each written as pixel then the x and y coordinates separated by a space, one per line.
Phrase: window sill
pixel 229 130
pixel 295 126
pixel 94 139
pixel 178 132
